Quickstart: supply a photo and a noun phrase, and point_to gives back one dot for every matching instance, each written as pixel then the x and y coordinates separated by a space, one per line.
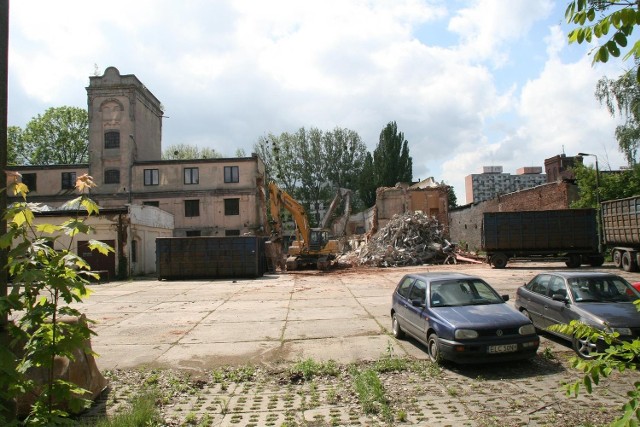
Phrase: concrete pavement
pixel 342 315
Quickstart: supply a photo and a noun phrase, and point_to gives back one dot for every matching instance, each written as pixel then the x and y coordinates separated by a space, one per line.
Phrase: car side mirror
pixel 559 297
pixel 417 303
pixel 505 297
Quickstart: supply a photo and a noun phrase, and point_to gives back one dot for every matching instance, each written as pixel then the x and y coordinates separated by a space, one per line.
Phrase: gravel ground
pixel 417 393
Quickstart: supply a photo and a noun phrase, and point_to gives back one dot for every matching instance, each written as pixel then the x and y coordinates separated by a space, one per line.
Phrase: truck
pixel 621 231
pixel 569 235
pixel 312 246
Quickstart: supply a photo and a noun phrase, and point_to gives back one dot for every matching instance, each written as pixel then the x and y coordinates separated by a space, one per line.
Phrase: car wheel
pixel 628 263
pixel 433 348
pixel 395 327
pixel 584 347
pixel 596 261
pixel 617 258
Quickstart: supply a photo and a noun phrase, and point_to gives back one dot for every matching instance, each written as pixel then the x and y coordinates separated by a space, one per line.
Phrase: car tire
pixel 433 348
pixel 596 261
pixel 395 327
pixel 583 347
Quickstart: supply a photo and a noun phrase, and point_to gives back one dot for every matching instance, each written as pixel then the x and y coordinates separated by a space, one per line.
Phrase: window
pixel 112 176
pixel 151 176
pixel 29 179
pixel 231 174
pixel 134 251
pixel 191 208
pixel 193 233
pixel 405 286
pixel 152 203
pixel 112 139
pixel 190 175
pixel 231 232
pixel 68 180
pixel 232 206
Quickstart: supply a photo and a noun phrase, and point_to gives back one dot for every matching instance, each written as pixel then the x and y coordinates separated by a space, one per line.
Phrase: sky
pixel 469 83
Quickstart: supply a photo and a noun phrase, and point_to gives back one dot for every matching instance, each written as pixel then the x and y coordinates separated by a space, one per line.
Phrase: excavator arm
pixel 279 199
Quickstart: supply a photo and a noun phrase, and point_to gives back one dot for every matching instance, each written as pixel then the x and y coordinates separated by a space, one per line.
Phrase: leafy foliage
pixel 46 282
pixel 310 164
pixel 615 28
pixel 622 96
pixel 189 152
pixel 619 356
pixel 59 136
pixel 611 185
pixel 389 164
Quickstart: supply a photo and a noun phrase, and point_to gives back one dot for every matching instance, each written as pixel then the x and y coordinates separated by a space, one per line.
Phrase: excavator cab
pixel 318 238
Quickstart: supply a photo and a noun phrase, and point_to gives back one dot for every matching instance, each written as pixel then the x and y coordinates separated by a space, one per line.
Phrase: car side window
pixel 418 291
pixel 556 286
pixel 541 285
pixel 405 287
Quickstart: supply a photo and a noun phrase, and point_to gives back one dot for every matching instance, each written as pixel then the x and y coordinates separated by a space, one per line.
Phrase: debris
pixel 407 239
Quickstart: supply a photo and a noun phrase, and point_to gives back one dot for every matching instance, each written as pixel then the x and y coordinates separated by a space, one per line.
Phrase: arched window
pixel 112 176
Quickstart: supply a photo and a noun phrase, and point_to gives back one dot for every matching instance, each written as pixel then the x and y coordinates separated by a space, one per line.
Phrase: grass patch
pixel 234 375
pixel 309 368
pixel 371 393
pixel 142 412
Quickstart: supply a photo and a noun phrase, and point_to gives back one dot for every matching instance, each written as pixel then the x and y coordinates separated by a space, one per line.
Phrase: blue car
pixel 461 318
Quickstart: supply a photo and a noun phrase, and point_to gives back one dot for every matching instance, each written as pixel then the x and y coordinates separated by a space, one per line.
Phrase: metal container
pixel 621 221
pixel 210 257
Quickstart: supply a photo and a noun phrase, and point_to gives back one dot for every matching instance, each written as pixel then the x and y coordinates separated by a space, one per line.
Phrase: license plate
pixel 505 348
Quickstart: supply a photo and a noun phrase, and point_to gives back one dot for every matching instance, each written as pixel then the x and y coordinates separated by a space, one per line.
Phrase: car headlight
pixel 621 331
pixel 465 334
pixel 527 330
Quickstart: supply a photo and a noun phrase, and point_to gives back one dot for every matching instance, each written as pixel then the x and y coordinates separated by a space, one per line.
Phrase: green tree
pixel 610 185
pixel 189 152
pixel 311 164
pixel 622 96
pixel 60 136
pixel 453 199
pixel 391 160
pixel 613 21
pixel 389 164
pixel 14 133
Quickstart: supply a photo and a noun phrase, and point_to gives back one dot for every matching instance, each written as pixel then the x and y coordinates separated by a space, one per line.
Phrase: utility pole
pixel 9 407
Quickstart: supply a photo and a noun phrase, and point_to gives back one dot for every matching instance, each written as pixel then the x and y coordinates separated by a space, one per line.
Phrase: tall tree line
pixel 312 164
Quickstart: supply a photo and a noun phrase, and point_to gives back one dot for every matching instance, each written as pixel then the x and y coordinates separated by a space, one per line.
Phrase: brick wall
pixel 465 223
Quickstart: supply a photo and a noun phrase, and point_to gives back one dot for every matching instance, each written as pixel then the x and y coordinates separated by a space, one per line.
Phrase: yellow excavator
pixel 312 246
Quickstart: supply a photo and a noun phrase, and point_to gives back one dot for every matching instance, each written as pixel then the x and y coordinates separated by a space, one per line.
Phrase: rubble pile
pixel 407 239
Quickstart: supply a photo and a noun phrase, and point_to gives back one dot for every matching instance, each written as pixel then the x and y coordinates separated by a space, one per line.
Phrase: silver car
pixel 601 300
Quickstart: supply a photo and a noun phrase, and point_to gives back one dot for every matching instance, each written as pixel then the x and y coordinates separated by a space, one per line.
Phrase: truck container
pixel 210 257
pixel 621 231
pixel 569 235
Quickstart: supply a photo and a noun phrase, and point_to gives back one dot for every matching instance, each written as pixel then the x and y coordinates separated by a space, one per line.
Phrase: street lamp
pixel 597 198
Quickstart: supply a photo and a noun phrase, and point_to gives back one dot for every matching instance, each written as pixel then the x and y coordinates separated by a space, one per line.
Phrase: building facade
pixel 203 197
pixel 493 182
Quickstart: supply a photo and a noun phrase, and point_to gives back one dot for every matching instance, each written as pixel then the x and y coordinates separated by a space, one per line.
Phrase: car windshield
pixel 451 293
pixel 602 289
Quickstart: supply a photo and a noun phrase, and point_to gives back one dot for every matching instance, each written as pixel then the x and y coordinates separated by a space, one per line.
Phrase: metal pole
pixel 9 411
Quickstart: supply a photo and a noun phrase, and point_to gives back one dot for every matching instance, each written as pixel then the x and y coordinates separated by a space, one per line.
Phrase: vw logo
pixel 499 332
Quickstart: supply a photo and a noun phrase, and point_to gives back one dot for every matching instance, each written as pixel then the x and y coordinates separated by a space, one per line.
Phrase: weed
pixel 309 368
pixel 402 415
pixel 453 392
pixel 548 354
pixel 391 364
pixel 142 412
pixel 191 418
pixel 371 393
